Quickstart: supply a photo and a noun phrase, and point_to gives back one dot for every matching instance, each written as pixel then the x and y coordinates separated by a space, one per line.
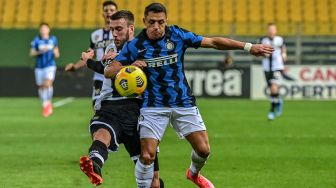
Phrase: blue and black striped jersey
pixel 46 59
pixel 167 84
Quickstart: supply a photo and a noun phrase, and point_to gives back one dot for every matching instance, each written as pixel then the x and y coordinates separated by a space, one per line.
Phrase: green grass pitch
pixel 297 150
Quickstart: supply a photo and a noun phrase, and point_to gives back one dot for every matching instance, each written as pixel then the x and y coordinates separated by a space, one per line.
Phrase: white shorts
pixel 153 121
pixel 42 74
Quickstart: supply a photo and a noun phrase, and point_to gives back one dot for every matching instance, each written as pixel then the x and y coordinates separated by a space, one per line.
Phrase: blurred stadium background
pixel 296 150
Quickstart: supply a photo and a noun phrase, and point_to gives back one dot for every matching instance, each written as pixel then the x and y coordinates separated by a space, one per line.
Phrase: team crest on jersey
pixel 170 45
pixel 96 37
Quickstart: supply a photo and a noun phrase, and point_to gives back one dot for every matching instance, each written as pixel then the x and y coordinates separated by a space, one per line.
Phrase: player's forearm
pixel 35 53
pixel 56 53
pixel 221 43
pixel 96 66
pixel 111 70
pixel 79 64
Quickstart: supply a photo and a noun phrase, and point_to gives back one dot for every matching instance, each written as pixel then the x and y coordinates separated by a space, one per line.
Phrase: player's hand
pixel 261 49
pixel 70 67
pixel 140 64
pixel 110 55
pixel 87 55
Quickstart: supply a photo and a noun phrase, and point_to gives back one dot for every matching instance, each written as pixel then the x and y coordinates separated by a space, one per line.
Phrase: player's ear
pixel 144 20
pixel 131 28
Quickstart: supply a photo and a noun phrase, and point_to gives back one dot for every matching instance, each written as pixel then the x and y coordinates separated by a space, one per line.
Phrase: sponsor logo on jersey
pixel 161 61
pixel 103 43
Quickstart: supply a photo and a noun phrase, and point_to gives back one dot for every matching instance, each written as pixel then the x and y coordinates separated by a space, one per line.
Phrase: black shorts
pixel 97 87
pixel 272 77
pixel 120 118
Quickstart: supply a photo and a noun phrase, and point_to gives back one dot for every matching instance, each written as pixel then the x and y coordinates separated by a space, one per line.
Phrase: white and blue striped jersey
pixel 167 84
pixel 46 59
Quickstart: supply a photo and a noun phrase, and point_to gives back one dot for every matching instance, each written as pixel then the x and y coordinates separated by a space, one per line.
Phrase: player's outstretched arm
pixel 71 67
pixel 96 66
pixel 56 52
pixel 221 43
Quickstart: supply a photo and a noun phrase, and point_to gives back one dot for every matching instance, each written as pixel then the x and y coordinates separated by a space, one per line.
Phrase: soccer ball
pixel 130 81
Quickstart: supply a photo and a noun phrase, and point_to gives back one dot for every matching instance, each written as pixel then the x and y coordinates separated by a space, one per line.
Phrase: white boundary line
pixel 63 102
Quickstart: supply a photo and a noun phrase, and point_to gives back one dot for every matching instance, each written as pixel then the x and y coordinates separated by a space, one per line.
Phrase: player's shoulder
pixel 263 38
pixel 96 33
pixel 37 38
pixel 279 38
pixel 177 29
pixel 53 37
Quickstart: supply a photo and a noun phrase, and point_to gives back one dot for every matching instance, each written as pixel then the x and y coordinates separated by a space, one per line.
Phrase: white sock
pixel 144 174
pixel 50 91
pixel 197 163
pixel 43 94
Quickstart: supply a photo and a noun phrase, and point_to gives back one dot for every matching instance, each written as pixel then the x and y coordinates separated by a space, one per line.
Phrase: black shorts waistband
pixel 122 102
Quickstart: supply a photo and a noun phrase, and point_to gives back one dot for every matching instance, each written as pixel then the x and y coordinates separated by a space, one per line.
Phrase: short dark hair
pixel 271 24
pixel 44 23
pixel 156 8
pixel 126 14
pixel 106 3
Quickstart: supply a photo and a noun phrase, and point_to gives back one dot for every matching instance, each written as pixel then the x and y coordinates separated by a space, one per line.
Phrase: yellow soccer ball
pixel 130 81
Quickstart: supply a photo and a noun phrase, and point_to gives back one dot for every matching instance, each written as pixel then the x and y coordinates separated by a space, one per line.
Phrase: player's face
pixel 44 31
pixel 155 24
pixel 121 31
pixel 272 31
pixel 108 11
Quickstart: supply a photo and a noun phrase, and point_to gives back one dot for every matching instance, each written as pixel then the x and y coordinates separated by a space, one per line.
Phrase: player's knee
pixel 204 151
pixel 102 135
pixel 147 158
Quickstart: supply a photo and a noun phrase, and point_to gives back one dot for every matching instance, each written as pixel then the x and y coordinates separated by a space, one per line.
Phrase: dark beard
pixel 123 42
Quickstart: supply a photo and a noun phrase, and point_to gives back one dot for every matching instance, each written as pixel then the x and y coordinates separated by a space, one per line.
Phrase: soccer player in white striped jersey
pixel 273 67
pixel 116 117
pixel 99 40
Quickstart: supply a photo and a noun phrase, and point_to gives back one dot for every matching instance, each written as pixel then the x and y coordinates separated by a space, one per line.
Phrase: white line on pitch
pixel 63 102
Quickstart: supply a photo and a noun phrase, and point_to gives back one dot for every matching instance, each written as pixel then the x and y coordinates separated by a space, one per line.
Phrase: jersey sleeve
pixel 125 56
pixel 55 41
pixel 283 44
pixel 34 44
pixel 189 38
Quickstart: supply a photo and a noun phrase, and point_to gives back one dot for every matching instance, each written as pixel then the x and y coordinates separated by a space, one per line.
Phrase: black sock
pixel 275 101
pixel 98 152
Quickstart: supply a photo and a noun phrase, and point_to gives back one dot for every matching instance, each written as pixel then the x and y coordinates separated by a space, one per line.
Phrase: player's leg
pixel 42 92
pixel 189 123
pixel 269 76
pixel 276 101
pixel 97 87
pixel 104 137
pixel 132 145
pixel 47 85
pixel 152 123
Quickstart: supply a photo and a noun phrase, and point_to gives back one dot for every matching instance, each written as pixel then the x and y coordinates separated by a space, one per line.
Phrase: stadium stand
pixel 211 17
pixel 63 15
pixel 312 50
pixel 314 21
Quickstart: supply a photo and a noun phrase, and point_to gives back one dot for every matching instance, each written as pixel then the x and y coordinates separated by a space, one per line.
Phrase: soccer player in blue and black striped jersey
pixel 159 50
pixel 45 48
